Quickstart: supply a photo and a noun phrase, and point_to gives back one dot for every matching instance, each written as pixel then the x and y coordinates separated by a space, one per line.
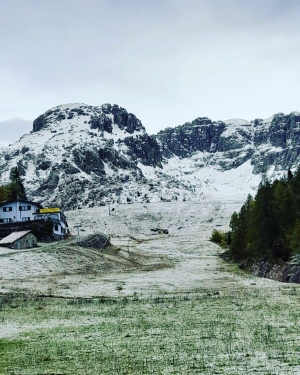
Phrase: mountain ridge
pixel 79 155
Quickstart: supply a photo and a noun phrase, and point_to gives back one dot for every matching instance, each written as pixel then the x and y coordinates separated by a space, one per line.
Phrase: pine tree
pixel 295 239
pixel 3 194
pixel 265 229
pixel 241 231
pixel 14 175
pixel 285 206
pixel 268 226
pixel 16 186
pixel 229 240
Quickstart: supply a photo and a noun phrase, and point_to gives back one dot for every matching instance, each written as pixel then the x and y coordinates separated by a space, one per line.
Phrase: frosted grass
pixel 241 332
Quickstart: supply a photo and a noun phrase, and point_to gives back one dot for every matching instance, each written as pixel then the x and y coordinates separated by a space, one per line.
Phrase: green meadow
pixel 240 332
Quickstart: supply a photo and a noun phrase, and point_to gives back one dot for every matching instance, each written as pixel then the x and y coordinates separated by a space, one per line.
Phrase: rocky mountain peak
pixel 101 118
pixel 76 149
pixel 79 155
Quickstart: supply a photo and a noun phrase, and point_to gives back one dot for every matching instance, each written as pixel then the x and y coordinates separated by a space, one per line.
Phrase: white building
pixel 60 226
pixel 18 211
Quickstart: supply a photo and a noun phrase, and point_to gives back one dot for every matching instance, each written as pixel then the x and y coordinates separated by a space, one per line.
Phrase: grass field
pixel 199 315
pixel 244 332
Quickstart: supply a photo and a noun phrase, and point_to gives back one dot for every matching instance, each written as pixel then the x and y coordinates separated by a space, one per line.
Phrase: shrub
pixel 219 237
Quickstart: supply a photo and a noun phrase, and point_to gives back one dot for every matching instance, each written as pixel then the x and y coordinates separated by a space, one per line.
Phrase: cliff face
pixel 79 155
pixel 231 138
pixel 199 135
pixel 272 142
pixel 277 142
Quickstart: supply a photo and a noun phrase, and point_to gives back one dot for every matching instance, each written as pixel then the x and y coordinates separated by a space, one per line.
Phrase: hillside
pixel 83 156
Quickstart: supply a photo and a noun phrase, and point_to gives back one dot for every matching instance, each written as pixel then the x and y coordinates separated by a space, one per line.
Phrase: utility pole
pixel 78 226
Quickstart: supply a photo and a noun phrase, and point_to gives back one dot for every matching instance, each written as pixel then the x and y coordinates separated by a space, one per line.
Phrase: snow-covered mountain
pixel 79 155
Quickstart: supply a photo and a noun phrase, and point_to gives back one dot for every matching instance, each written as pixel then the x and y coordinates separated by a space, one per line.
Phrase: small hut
pixel 19 240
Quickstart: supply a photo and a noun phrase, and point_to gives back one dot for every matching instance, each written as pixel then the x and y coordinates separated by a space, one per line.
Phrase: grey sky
pixel 167 61
pixel 12 130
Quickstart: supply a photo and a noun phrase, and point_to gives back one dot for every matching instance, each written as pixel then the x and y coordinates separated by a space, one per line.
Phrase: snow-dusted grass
pixel 193 260
pixel 242 332
pixel 199 316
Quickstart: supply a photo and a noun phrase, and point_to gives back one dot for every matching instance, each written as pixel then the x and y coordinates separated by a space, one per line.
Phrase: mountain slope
pixel 79 155
pixel 76 152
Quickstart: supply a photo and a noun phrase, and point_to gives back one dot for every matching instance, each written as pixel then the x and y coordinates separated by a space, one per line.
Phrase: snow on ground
pixel 268 120
pixel 183 261
pixel 234 125
pixel 237 122
pixel 235 183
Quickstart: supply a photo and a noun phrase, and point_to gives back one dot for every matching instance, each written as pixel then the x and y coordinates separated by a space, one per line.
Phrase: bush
pixel 43 230
pixel 221 238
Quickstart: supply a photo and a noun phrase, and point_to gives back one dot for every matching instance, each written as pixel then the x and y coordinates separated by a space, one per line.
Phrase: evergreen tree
pixel 268 226
pixel 264 225
pixel 3 194
pixel 234 222
pixel 14 191
pixel 285 212
pixel 229 240
pixel 241 231
pixel 295 186
pixel 17 188
pixel 295 239
pixel 290 174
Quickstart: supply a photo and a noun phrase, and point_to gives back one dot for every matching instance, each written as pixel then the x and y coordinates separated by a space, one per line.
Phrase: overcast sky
pixel 166 61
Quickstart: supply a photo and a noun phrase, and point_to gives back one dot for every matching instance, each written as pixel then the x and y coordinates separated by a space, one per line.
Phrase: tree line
pixel 268 225
pixel 14 189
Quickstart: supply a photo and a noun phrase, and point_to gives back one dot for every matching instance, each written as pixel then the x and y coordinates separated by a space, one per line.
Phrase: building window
pixel 25 208
pixel 39 217
pixel 7 220
pixel 25 218
pixel 53 216
pixel 56 227
pixel 7 209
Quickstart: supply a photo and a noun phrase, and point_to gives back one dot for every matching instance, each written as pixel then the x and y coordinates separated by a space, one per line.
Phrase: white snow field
pixel 183 261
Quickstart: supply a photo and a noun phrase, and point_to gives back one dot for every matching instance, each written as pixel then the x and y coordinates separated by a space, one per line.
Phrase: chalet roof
pixel 13 237
pixel 21 201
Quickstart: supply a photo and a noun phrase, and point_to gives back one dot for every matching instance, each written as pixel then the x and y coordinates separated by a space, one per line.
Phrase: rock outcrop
pixel 273 142
pixel 97 241
pixel 79 155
